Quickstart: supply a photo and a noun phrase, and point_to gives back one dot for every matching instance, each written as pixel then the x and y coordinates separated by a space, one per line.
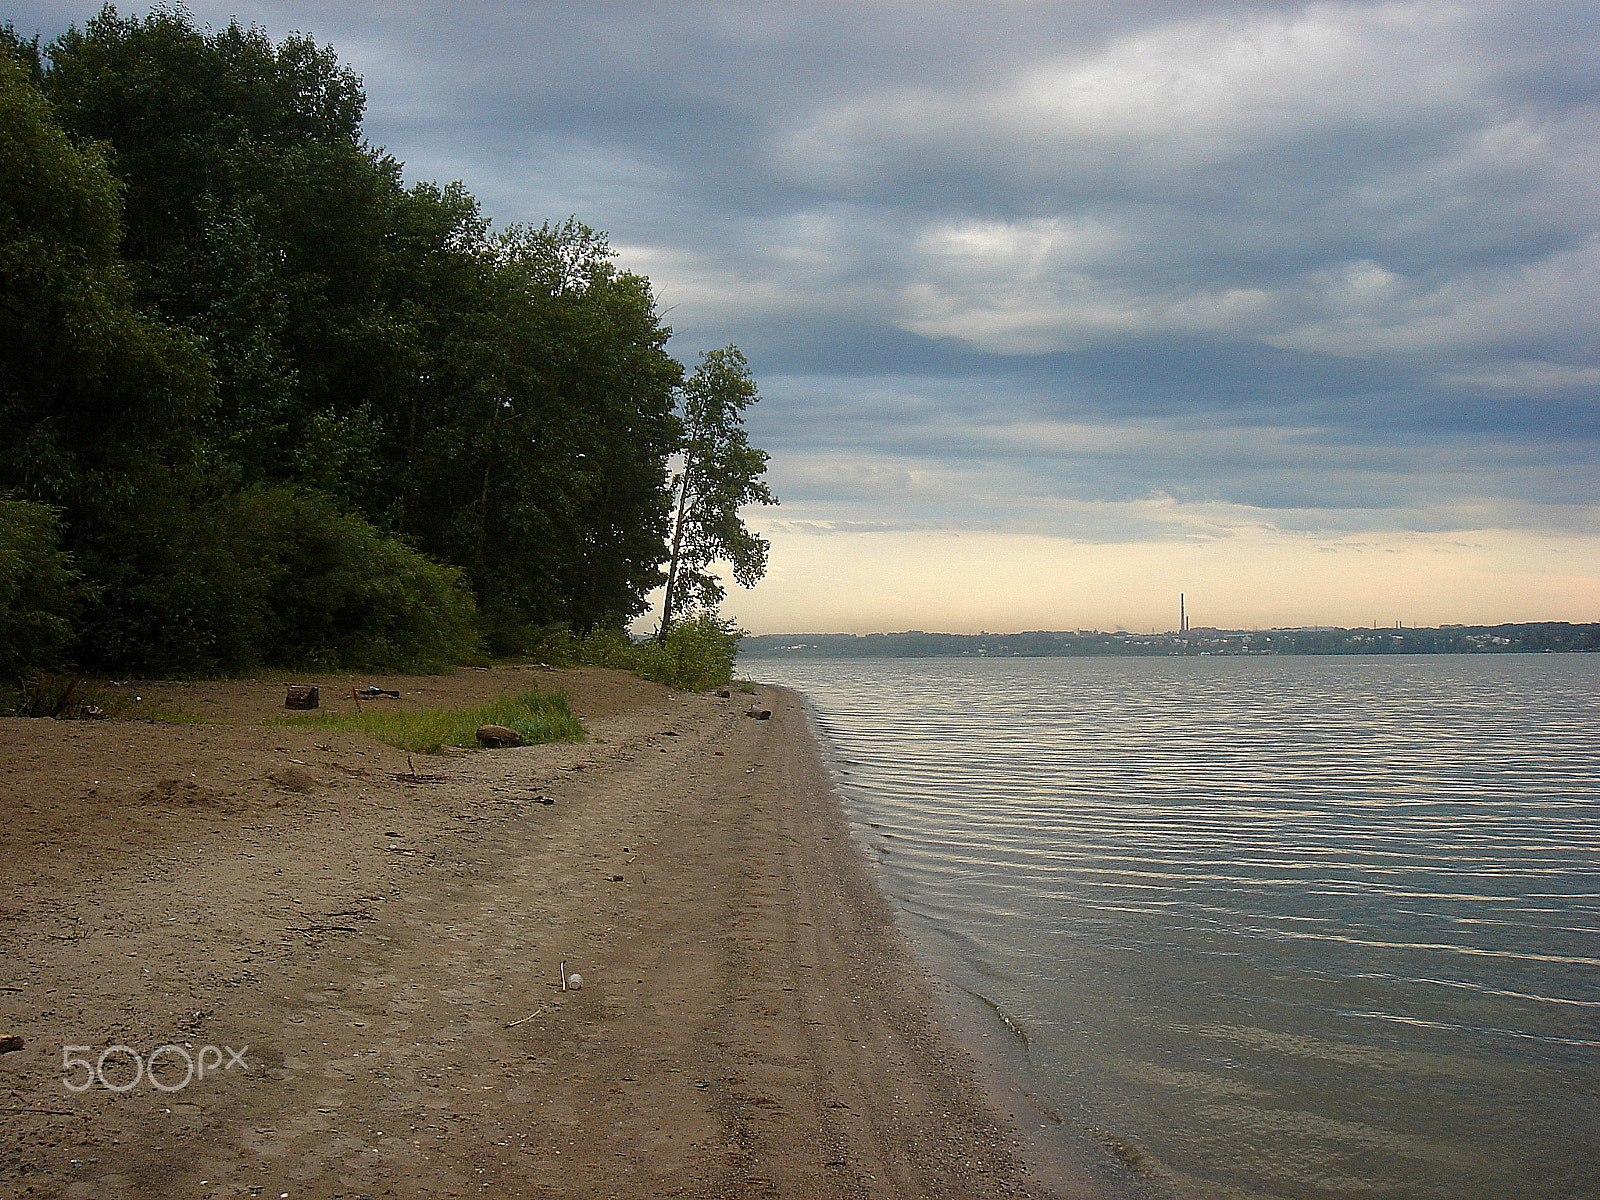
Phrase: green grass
pixel 165 716
pixel 537 716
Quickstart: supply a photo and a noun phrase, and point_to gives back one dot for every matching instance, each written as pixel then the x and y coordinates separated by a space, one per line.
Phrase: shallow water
pixel 1288 927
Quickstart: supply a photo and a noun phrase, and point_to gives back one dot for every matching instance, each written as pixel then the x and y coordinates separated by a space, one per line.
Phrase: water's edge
pixel 1064 1146
pixel 1277 929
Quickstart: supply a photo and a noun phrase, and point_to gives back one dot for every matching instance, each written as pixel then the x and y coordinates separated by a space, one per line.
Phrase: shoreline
pixel 388 944
pixel 1061 1147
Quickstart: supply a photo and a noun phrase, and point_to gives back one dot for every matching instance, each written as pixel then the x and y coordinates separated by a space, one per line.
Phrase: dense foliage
pixel 262 402
pixel 694 654
pixel 38 588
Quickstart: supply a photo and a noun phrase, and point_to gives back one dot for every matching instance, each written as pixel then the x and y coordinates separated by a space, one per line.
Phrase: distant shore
pixel 387 937
pixel 1532 637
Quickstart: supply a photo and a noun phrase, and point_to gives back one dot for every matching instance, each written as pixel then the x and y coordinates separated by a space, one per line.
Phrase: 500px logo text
pixel 160 1067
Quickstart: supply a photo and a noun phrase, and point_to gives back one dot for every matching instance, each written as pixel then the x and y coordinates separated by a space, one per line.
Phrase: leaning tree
pixel 721 473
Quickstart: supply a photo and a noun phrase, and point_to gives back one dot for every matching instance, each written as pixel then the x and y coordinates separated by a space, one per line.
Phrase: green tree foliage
pixel 697 653
pixel 333 590
pixel 24 51
pixel 241 357
pixel 38 589
pixel 504 400
pixel 171 595
pixel 87 383
pixel 273 575
pixel 189 115
pixel 98 401
pixel 256 219
pixel 572 425
pixel 102 414
pixel 721 473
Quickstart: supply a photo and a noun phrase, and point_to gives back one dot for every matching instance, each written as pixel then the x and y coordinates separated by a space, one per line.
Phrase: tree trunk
pixel 411 476
pixel 483 492
pixel 672 564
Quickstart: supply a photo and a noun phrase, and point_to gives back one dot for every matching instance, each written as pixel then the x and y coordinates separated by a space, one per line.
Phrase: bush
pixel 172 594
pixel 338 592
pixel 554 645
pixel 38 589
pixel 270 576
pixel 610 648
pixel 699 652
pixel 697 655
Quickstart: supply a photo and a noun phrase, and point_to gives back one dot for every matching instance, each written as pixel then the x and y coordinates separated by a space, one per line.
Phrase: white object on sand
pixel 574 982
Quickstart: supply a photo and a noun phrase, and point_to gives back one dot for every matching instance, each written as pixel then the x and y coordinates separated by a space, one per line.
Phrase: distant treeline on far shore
pixel 1526 638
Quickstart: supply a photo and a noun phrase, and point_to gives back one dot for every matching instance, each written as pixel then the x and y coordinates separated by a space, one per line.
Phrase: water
pixel 1286 927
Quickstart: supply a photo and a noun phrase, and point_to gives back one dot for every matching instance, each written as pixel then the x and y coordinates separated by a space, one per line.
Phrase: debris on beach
pixel 303 696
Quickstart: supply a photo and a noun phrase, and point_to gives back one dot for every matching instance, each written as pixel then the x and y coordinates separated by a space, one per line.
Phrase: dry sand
pixel 385 950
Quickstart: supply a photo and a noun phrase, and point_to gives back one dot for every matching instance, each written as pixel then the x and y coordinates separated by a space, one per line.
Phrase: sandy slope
pixel 388 949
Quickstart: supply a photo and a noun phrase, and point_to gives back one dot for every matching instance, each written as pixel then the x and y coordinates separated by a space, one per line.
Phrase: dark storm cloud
pixel 999 263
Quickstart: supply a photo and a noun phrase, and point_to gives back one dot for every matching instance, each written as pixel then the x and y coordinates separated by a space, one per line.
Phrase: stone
pixel 495 737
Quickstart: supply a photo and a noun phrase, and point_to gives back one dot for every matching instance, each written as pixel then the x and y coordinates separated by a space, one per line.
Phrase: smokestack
pixel 1183 617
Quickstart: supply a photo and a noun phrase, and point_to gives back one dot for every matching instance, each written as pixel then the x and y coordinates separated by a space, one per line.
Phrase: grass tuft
pixel 537 716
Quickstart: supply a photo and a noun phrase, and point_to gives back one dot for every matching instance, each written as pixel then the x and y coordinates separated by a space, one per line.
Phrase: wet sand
pixel 386 938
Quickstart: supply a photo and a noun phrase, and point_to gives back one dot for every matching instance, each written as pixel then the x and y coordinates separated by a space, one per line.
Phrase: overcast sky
pixel 1059 309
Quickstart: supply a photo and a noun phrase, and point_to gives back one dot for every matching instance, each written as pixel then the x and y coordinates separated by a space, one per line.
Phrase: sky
pixel 1061 309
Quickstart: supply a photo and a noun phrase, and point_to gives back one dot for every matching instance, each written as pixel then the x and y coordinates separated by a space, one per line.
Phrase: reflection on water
pixel 1295 927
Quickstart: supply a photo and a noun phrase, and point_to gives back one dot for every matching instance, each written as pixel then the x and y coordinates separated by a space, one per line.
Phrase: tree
pixel 233 342
pixel 38 589
pixel 87 383
pixel 721 473
pixel 184 110
pixel 534 452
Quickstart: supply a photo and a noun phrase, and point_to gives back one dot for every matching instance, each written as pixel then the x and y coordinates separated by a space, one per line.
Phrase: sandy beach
pixel 374 947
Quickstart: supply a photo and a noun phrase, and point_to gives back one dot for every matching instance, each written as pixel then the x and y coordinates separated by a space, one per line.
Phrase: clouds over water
pixel 1093 272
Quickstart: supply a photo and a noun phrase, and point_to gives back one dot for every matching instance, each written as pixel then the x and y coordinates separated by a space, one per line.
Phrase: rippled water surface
pixel 1293 927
